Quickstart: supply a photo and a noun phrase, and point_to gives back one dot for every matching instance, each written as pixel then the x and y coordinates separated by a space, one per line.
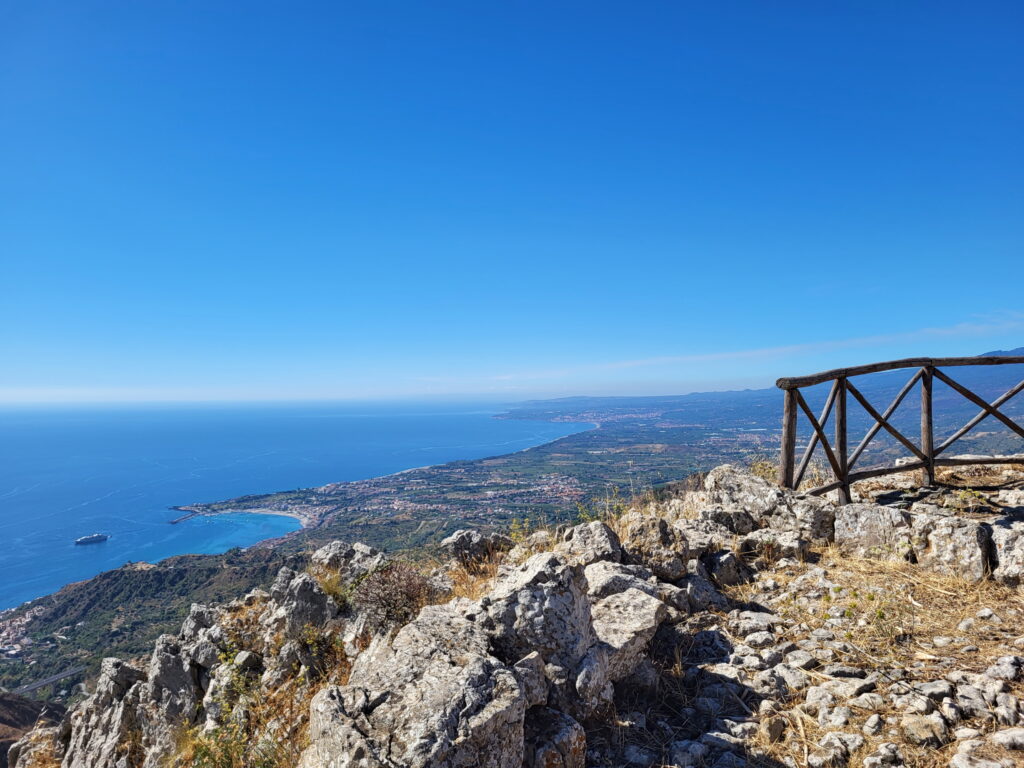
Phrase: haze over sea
pixel 68 472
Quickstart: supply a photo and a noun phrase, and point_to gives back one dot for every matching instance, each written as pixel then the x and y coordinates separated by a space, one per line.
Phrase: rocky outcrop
pixel 652 542
pixel 619 644
pixel 730 493
pixel 431 696
pixel 590 543
pixel 469 547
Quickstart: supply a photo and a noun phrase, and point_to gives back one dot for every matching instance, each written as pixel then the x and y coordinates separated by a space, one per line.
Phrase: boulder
pixel 732 488
pixel 554 740
pixel 472 546
pixel 351 561
pixel 870 530
pixel 626 622
pixel 297 602
pixel 1008 544
pixel 923 730
pixel 590 543
pixel 540 606
pixel 953 545
pixel 605 578
pixel 771 545
pixel 727 568
pixel 432 696
pixel 704 536
pixel 654 543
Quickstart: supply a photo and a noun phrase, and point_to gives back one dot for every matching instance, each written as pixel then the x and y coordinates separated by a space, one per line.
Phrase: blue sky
pixel 206 200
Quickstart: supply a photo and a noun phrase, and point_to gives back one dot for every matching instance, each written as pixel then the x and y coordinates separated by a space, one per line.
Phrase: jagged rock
pixel 350 560
pixel 702 594
pixel 1006 668
pixel 589 543
pixel 1008 543
pixel 298 602
pixel 626 622
pixel 541 606
pixel 432 696
pixel 472 546
pixel 650 541
pixel 554 740
pixel 887 754
pixel 730 487
pixel 704 536
pixel 97 728
pixel 687 753
pixel 605 578
pixel 529 671
pixel 1011 497
pixel 34 748
pixel 737 521
pixel 727 569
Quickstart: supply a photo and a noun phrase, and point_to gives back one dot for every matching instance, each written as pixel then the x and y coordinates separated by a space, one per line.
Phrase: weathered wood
pixel 887 415
pixel 813 442
pixel 927 454
pixel 866 474
pixel 979 418
pixel 844 472
pixel 981 403
pixel 979 461
pixel 927 426
pixel 788 440
pixel 836 469
pixel 885 424
pixel 910 362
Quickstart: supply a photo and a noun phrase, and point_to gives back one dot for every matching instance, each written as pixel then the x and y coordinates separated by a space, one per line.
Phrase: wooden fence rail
pixel 925 452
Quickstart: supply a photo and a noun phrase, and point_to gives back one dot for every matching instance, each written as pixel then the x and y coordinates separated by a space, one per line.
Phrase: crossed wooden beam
pixel 926 453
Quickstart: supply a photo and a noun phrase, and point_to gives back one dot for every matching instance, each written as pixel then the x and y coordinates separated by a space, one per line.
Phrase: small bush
pixel 764 467
pixel 392 595
pixel 230 746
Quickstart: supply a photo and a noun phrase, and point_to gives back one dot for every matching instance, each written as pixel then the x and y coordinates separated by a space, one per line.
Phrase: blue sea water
pixel 68 472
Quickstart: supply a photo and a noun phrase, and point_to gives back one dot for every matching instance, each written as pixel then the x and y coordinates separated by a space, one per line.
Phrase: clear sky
pixel 204 200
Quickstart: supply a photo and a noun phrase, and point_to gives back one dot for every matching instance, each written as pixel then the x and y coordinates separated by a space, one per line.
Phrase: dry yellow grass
pixel 893 609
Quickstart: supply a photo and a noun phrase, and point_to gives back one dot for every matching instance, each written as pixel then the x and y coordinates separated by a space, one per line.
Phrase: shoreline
pixel 308 522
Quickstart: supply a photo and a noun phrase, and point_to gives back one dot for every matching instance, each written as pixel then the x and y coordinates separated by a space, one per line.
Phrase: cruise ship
pixel 94 538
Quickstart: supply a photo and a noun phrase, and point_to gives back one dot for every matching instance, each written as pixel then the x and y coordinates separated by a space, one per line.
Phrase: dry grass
pixel 44 752
pixel 272 735
pixel 474 580
pixel 893 610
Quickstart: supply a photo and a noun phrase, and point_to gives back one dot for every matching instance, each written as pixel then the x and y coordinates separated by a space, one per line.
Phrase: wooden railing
pixel 925 451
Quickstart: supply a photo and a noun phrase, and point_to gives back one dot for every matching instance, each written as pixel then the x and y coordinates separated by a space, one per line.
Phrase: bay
pixel 67 472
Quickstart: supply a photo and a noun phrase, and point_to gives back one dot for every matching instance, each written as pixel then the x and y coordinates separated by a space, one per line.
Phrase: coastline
pixel 309 521
pixel 191 512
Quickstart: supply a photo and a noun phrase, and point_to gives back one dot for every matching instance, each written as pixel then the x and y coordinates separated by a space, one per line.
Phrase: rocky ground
pixel 734 625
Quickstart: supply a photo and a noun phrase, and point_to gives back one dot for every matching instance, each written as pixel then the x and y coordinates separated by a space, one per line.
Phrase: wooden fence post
pixel 841 447
pixel 927 427
pixel 787 461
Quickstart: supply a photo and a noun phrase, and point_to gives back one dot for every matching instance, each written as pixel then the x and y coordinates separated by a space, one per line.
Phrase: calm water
pixel 66 473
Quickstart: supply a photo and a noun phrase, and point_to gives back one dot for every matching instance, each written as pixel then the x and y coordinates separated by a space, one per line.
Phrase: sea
pixel 67 472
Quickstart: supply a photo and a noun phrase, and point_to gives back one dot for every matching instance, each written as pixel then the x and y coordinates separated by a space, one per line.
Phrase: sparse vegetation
pixel 391 596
